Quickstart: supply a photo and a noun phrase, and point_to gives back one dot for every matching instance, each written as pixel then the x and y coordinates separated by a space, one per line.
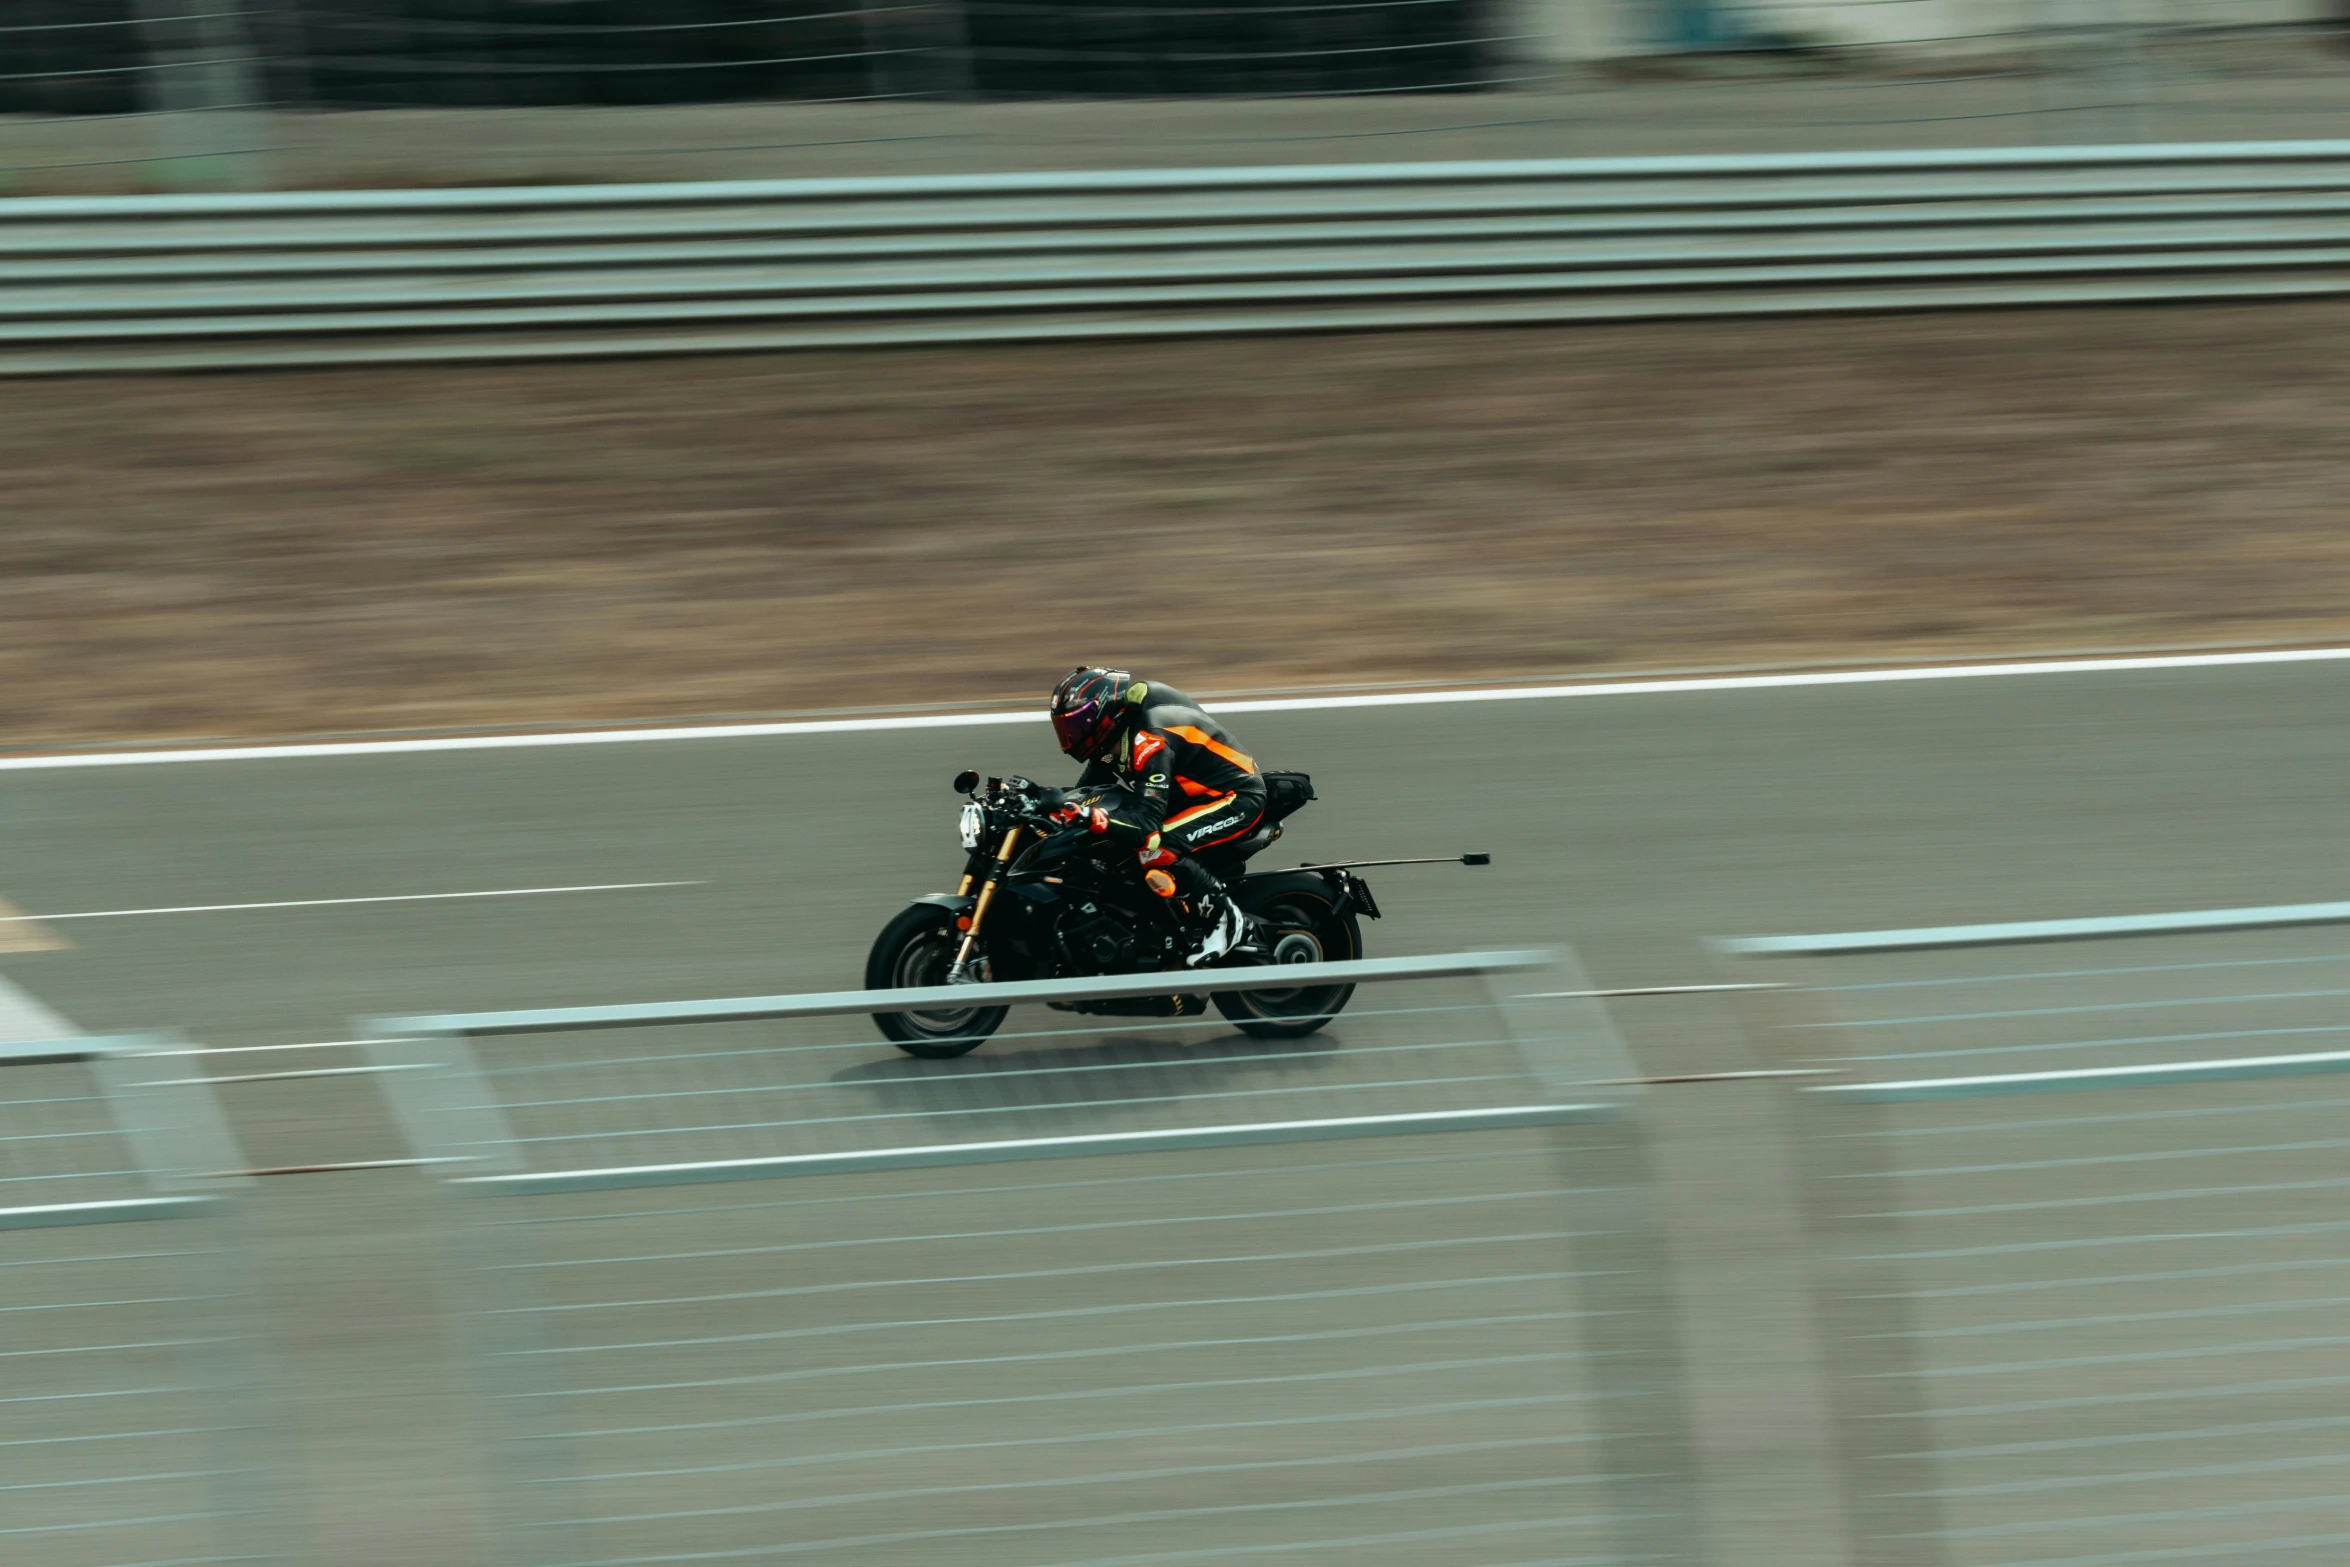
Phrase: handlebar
pixel 1020 797
pixel 1022 802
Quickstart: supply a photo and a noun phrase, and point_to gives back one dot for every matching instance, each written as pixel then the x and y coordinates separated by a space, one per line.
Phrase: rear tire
pixel 912 951
pixel 1308 928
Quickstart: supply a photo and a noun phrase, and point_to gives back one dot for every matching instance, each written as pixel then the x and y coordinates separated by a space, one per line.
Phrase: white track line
pixel 318 903
pixel 826 726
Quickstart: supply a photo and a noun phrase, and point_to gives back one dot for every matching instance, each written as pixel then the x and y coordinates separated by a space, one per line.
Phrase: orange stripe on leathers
pixel 1242 830
pixel 1202 737
pixel 1217 804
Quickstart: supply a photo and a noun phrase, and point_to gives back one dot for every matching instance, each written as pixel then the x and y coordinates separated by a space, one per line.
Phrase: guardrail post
pixel 2089 74
pixel 202 88
pixel 1555 34
pixel 143 1423
pixel 1880 1441
pixel 920 49
pixel 1569 1045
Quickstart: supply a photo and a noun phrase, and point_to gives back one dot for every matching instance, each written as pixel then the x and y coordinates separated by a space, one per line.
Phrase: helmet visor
pixel 1076 726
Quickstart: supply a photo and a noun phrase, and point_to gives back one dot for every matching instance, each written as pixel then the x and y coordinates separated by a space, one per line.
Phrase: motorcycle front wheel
pixel 1308 927
pixel 912 952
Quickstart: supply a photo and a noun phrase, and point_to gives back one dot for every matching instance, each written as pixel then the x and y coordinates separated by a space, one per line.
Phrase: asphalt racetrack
pixel 1631 826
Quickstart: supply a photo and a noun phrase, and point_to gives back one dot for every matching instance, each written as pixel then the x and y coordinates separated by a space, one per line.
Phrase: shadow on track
pixel 1113 1084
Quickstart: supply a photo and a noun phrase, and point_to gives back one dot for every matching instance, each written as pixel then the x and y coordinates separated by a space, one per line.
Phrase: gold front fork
pixel 1003 859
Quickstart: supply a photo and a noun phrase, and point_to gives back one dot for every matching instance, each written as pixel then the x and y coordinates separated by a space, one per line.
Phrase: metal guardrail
pixel 136 1426
pixel 364 277
pixel 1221 1336
pixel 465 1120
pixel 861 1003
pixel 2108 1330
pixel 2193 922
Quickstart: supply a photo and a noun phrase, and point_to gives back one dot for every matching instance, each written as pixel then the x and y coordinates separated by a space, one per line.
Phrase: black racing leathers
pixel 1180 786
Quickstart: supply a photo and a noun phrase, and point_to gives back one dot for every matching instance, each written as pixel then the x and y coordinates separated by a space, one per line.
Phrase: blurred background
pixel 1661 443
pixel 140 96
pixel 504 242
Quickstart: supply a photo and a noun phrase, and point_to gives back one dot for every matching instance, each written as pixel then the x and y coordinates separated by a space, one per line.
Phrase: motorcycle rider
pixel 1167 781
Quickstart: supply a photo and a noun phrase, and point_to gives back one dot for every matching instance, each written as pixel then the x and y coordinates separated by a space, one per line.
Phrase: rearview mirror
pixel 966 781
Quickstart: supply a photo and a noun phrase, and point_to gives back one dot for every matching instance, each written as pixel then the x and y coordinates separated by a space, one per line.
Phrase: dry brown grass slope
pixel 275 554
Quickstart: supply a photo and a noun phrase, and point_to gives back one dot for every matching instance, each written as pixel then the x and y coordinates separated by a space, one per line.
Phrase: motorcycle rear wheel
pixel 1309 928
pixel 915 950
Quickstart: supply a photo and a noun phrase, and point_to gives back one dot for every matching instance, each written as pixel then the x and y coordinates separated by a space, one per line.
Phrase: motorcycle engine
pixel 1094 939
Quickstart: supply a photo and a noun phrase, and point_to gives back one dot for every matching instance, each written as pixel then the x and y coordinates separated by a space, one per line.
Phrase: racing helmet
pixel 1088 706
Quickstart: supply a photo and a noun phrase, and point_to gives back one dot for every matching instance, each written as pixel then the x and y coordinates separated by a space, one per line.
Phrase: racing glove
pixel 1074 814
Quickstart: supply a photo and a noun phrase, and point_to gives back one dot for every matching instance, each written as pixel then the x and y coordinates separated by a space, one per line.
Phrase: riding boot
pixel 1216 914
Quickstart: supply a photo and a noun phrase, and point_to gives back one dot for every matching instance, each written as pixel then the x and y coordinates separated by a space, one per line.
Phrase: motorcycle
pixel 1038 902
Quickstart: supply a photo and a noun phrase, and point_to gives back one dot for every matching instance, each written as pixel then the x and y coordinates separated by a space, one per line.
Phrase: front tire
pixel 1308 927
pixel 914 951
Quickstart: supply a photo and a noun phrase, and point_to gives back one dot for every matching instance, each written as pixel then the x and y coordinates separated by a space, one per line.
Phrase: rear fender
pixel 1346 892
